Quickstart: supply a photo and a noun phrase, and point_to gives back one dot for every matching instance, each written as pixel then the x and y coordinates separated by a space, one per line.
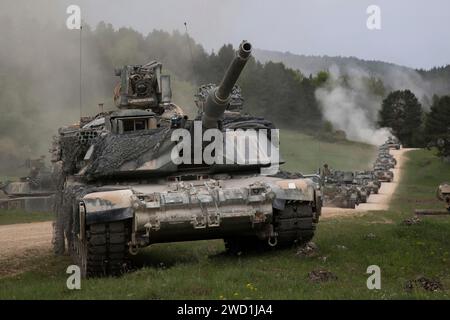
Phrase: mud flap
pixel 109 215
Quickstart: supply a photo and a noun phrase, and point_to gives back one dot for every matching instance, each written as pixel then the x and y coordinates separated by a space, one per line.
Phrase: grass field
pixel 306 154
pixel 18 216
pixel 201 270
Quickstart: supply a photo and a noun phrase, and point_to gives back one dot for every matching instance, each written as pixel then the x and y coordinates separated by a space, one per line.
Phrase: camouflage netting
pixel 244 121
pixel 65 201
pixel 71 152
pixel 288 175
pixel 112 151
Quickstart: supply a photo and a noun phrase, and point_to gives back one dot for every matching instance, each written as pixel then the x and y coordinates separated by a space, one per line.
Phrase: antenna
pixel 190 49
pixel 81 29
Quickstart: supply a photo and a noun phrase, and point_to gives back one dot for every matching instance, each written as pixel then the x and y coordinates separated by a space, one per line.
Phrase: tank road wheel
pixel 104 250
pixel 295 224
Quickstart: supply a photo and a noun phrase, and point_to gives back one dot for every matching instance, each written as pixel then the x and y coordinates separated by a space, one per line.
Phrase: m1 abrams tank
pixel 389 157
pixel 341 196
pixel 386 162
pixel 33 193
pixel 382 173
pixel 368 179
pixel 393 143
pixel 128 179
pixel 347 178
pixel 443 194
pixel 337 194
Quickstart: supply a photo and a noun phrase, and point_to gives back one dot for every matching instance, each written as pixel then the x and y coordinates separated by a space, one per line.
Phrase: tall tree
pixel 402 112
pixel 437 125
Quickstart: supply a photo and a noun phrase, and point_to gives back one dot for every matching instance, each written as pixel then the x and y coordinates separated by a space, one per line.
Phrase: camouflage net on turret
pixel 112 151
pixel 245 121
pixel 71 152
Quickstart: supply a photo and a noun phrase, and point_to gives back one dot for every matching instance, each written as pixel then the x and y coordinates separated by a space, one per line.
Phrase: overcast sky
pixel 415 33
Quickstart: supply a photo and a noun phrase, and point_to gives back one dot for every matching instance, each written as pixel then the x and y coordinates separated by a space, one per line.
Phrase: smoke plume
pixel 349 105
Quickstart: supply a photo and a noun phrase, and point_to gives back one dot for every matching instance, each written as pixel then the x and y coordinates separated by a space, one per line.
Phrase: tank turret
pixel 219 97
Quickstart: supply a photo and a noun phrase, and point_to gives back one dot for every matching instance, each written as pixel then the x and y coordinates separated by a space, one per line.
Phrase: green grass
pixel 306 154
pixel 200 270
pixel 418 188
pixel 19 216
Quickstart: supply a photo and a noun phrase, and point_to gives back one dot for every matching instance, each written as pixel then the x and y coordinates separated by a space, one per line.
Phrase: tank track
pixel 106 249
pixel 295 224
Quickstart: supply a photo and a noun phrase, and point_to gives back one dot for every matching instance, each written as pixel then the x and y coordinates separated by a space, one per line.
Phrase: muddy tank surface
pixel 122 185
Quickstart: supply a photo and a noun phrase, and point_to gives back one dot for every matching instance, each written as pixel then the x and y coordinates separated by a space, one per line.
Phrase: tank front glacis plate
pixel 198 209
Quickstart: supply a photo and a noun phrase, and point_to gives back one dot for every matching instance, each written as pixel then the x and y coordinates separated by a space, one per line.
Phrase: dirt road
pixel 378 201
pixel 18 242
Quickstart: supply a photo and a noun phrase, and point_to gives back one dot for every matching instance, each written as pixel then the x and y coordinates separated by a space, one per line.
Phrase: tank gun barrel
pixel 219 97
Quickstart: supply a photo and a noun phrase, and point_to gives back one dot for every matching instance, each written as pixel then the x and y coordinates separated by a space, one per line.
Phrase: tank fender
pixel 108 206
pixel 292 189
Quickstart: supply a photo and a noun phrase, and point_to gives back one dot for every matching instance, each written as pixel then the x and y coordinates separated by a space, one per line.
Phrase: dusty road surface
pixel 19 242
pixel 378 201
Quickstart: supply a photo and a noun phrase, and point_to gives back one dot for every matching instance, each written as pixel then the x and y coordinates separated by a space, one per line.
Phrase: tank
pixel 340 196
pixel 32 193
pixel 382 173
pixel 393 143
pixel 133 177
pixel 443 194
pixel 386 162
pixel 368 179
pixel 336 193
pixel 347 179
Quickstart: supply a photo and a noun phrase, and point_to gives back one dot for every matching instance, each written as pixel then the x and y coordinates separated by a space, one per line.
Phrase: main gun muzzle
pixel 219 97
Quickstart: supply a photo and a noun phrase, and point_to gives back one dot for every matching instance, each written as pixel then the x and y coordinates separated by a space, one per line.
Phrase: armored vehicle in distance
pixel 383 173
pixel 341 196
pixel 33 193
pixel 368 179
pixel 443 194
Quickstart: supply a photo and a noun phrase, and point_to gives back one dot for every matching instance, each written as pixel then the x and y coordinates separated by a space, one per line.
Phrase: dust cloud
pixel 349 105
pixel 39 78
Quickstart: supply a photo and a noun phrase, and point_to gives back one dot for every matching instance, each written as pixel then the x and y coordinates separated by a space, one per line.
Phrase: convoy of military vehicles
pixel 347 189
